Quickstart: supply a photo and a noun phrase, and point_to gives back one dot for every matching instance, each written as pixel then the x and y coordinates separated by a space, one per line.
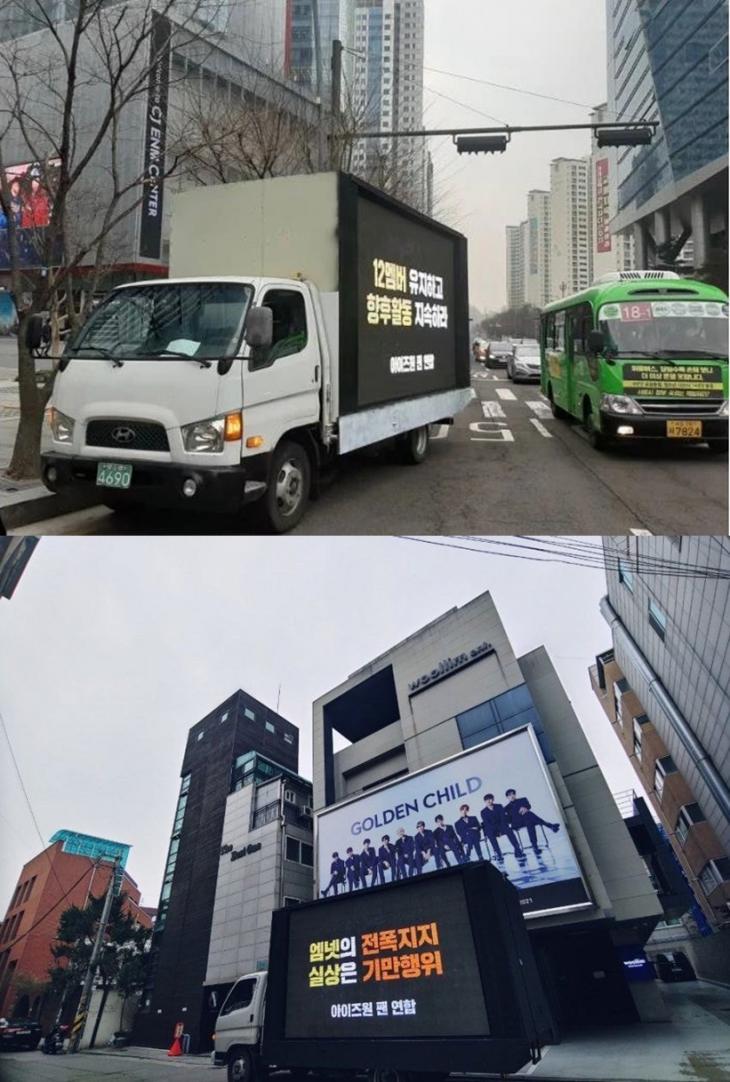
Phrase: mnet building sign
pixel 448 666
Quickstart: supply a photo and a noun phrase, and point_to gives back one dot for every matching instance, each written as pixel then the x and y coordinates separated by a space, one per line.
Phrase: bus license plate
pixel 684 430
pixel 113 475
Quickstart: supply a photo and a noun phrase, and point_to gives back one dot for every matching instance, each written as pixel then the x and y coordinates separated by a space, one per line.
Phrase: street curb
pixel 50 505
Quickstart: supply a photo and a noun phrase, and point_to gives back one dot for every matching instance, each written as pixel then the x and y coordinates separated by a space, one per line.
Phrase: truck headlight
pixel 62 427
pixel 619 403
pixel 208 437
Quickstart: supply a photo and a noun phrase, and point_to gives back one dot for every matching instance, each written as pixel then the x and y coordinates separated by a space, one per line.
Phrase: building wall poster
pixel 377 838
pixel 603 214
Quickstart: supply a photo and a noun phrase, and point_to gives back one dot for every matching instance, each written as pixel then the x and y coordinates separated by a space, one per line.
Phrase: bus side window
pixel 581 321
pixel 548 330
pixel 560 331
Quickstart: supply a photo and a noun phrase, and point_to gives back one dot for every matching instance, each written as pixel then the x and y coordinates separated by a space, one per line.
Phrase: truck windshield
pixel 666 329
pixel 240 995
pixel 201 320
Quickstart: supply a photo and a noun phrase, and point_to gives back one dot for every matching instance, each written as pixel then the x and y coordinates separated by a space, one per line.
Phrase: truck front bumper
pixel 224 489
pixel 218 1059
pixel 616 425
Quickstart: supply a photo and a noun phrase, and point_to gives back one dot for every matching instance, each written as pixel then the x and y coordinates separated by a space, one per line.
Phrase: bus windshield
pixel 196 320
pixel 666 329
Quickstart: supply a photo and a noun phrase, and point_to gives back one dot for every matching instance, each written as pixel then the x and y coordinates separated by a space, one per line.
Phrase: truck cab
pixel 238 1030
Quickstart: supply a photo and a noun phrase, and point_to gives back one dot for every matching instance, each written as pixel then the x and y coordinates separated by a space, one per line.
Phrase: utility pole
pixel 336 99
pixel 82 1011
pixel 322 134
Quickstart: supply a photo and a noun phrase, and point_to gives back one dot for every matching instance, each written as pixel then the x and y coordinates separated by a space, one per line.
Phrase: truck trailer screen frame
pixel 377 837
pixel 404 301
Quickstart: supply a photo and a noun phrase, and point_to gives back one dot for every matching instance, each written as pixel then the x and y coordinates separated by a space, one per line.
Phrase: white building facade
pixel 571 267
pixel 537 269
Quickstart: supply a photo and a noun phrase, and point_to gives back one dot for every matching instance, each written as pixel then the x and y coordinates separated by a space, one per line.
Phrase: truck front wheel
pixel 240 1065
pixel 413 446
pixel 289 487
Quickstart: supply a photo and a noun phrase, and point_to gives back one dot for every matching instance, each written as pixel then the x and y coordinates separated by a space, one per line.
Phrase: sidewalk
pixel 158 1055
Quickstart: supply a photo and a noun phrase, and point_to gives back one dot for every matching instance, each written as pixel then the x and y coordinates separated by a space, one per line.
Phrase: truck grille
pixel 682 408
pixel 125 435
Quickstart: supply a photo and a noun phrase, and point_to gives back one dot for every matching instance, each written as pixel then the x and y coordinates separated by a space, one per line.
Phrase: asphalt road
pixel 505 467
pixel 116 1066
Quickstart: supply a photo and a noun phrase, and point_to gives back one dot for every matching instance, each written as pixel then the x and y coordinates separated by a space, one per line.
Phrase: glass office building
pixel 668 62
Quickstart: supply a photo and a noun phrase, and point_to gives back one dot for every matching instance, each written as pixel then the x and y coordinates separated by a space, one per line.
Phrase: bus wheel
pixel 557 411
pixel 596 438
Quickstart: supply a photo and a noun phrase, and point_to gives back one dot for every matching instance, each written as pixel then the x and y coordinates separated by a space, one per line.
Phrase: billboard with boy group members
pixel 30 205
pixel 492 803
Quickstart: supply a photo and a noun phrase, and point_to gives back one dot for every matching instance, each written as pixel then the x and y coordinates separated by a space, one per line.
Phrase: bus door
pixel 584 368
pixel 555 364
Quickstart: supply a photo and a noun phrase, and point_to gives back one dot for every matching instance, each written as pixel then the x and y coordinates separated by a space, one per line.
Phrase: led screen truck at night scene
pixel 369 981
pixel 305 317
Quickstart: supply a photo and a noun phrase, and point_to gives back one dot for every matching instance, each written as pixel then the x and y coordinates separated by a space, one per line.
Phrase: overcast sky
pixel 553 47
pixel 111 649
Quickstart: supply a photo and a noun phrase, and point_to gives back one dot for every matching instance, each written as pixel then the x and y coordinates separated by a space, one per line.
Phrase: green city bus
pixel 640 355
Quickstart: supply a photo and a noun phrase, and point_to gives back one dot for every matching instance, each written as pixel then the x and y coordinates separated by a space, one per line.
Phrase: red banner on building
pixel 603 234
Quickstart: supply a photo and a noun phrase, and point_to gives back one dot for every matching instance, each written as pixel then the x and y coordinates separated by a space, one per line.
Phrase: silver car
pixel 524 364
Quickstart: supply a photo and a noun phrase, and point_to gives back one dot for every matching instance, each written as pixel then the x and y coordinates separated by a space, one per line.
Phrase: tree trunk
pixel 25 463
pixel 104 997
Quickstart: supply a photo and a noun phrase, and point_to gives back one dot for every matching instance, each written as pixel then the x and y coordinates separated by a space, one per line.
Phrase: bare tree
pixel 69 90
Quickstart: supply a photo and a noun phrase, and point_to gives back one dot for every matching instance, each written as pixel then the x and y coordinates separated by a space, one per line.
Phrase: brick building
pixel 70 871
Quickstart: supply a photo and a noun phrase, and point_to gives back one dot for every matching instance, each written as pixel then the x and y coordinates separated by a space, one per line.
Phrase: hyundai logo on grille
pixel 123 434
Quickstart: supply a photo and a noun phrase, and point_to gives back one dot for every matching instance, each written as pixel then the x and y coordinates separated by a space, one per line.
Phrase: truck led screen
pixel 405 968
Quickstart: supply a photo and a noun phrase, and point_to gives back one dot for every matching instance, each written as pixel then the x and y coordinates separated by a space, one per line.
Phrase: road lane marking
pixel 506 394
pixel 491 431
pixel 541 428
pixel 473 392
pixel 641 533
pixel 492 410
pixel 541 408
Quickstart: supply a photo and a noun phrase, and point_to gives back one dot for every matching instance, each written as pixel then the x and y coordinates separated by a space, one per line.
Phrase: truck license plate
pixel 684 430
pixel 113 475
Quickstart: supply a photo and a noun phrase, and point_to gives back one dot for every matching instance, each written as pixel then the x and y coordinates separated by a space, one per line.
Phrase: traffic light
pixel 624 137
pixel 481 144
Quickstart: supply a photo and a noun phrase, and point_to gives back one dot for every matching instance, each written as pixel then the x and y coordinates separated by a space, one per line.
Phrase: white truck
pixel 305 317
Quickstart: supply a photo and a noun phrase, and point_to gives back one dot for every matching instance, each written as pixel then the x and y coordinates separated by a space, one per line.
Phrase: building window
pixel 300 852
pixel 249 714
pixel 265 815
pixel 658 620
pixel 510 710
pixel 663 767
pixel 625 575
pixel 185 784
pixel 224 717
pixel 288 738
pixel 714 874
pixel 270 728
pixel 638 723
pixel 688 816
pixel 201 734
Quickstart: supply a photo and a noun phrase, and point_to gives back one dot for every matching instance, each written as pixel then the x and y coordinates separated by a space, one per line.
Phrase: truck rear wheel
pixel 240 1065
pixel 413 446
pixel 289 487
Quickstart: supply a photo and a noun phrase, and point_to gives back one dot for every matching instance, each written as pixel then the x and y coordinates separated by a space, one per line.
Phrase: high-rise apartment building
pixel 71 870
pixel 664 687
pixel 240 846
pixel 570 220
pixel 537 266
pixel 516 244
pixel 336 23
pixel 610 251
pixel 388 95
pixel 669 62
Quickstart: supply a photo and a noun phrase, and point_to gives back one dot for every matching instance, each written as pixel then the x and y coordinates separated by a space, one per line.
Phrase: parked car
pixel 524 364
pixel 674 966
pixel 19 1033
pixel 498 354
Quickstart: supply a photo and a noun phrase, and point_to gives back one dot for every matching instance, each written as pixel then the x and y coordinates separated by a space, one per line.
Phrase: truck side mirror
pixel 259 327
pixel 596 342
pixel 34 332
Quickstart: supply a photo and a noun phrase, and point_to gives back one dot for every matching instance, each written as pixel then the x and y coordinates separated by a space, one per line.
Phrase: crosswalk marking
pixel 541 428
pixel 492 410
pixel 505 394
